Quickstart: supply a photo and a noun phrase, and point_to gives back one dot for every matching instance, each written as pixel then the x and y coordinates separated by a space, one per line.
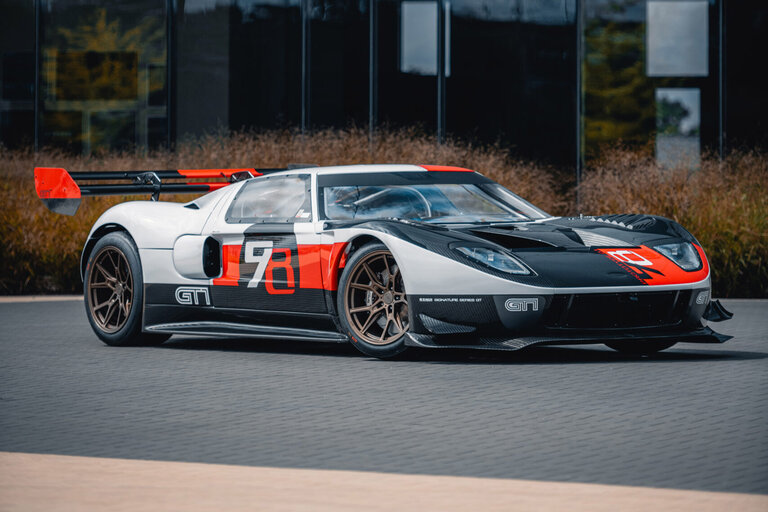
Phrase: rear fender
pixel 94 237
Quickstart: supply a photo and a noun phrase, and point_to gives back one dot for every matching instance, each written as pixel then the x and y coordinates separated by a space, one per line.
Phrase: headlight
pixel 684 255
pixel 494 259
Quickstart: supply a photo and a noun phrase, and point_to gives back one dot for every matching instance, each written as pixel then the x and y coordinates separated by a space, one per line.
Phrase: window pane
pixel 406 98
pixel 98 72
pixel 338 63
pixel 17 73
pixel 202 67
pixel 678 125
pixel 625 44
pixel 432 203
pixel 513 76
pixel 678 38
pixel 265 60
pixel 272 200
pixel 238 65
pixel 746 103
pixel 418 38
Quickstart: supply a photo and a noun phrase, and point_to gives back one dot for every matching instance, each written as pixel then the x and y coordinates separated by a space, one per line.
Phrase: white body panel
pixel 186 256
pixel 158 267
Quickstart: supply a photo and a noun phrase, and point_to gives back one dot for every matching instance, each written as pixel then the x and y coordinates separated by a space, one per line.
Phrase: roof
pixel 358 168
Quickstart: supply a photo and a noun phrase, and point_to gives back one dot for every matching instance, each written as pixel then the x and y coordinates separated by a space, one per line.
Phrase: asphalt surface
pixel 694 417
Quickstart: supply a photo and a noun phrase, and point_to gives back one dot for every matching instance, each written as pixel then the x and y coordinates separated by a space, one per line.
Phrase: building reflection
pixel 551 80
pixel 102 75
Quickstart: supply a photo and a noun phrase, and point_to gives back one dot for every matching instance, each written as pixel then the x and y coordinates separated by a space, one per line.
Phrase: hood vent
pixel 594 240
pixel 508 240
pixel 628 220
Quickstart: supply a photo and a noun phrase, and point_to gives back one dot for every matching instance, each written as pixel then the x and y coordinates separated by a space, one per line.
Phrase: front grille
pixel 617 310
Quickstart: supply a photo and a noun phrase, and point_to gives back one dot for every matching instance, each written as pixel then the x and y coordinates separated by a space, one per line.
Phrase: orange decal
pixel 652 268
pixel 214 173
pixel 310 270
pixel 55 183
pixel 331 257
pixel 231 262
pixel 320 265
pixel 445 168
pixel 290 280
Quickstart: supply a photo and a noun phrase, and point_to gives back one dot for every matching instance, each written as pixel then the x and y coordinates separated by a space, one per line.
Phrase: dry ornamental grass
pixel 722 204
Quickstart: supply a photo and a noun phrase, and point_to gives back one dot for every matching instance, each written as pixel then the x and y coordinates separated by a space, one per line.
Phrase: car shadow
pixel 583 354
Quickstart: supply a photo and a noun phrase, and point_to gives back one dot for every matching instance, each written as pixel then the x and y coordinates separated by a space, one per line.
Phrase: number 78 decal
pixel 265 265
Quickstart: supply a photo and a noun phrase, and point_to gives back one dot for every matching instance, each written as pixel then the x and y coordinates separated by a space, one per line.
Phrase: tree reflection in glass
pixel 100 65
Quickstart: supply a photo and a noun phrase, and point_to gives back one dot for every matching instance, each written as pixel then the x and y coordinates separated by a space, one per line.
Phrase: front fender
pixel 428 273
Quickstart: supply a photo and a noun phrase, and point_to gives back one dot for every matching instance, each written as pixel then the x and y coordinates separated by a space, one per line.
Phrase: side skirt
pixel 235 330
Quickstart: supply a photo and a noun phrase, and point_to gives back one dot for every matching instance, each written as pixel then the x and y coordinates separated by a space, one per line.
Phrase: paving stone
pixel 693 417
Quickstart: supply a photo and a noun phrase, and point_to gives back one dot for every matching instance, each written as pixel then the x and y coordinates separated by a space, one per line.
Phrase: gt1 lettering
pixel 521 305
pixel 188 295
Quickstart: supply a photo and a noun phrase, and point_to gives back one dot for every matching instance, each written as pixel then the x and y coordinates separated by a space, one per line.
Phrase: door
pixel 264 266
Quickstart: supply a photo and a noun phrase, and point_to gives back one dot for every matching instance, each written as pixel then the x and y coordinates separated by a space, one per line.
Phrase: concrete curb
pixel 45 482
pixel 6 299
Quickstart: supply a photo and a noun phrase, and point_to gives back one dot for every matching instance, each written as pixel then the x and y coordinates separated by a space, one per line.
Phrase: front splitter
pixel 702 335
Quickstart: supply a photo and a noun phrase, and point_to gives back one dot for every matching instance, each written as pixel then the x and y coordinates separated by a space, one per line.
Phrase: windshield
pixel 444 203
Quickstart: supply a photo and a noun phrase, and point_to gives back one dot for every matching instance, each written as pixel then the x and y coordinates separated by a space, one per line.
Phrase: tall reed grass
pixel 722 203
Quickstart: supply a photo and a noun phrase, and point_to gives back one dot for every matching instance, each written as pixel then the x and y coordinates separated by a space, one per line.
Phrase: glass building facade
pixel 552 80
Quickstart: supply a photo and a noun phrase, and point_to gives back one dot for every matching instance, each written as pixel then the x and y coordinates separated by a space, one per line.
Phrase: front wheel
pixel 114 293
pixel 640 348
pixel 372 304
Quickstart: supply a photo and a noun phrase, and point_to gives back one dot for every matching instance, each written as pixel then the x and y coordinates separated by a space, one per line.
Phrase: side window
pixel 272 199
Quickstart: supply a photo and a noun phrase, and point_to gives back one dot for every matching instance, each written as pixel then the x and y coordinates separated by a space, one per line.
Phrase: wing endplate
pixel 58 191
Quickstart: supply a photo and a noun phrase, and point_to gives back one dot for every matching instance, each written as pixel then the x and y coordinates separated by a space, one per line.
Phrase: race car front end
pixel 511 322
pixel 537 283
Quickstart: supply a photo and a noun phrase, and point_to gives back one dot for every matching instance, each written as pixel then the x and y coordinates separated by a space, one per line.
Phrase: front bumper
pixel 514 322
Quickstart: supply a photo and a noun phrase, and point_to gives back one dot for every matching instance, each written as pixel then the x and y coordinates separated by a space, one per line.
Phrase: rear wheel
pixel 372 304
pixel 114 293
pixel 640 348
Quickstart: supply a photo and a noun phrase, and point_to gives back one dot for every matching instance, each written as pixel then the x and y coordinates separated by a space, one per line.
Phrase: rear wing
pixel 61 191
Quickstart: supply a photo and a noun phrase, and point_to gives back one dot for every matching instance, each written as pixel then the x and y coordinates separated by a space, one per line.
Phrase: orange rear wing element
pixel 62 191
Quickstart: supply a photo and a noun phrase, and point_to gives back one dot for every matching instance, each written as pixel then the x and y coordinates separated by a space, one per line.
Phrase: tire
pixel 640 348
pixel 114 293
pixel 372 304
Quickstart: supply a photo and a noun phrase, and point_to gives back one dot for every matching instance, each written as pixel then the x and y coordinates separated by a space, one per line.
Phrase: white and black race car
pixel 383 256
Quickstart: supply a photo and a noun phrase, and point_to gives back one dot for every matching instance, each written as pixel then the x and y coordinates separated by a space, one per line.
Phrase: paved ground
pixel 692 418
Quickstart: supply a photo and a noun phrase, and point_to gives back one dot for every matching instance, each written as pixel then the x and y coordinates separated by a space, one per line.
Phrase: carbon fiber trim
pixel 247 331
pixel 702 335
pixel 436 326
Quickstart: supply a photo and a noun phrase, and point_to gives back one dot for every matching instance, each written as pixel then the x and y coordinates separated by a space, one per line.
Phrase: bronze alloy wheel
pixel 376 305
pixel 110 289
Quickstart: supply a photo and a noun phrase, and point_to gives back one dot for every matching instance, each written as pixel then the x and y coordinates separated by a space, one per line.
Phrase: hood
pixel 579 233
